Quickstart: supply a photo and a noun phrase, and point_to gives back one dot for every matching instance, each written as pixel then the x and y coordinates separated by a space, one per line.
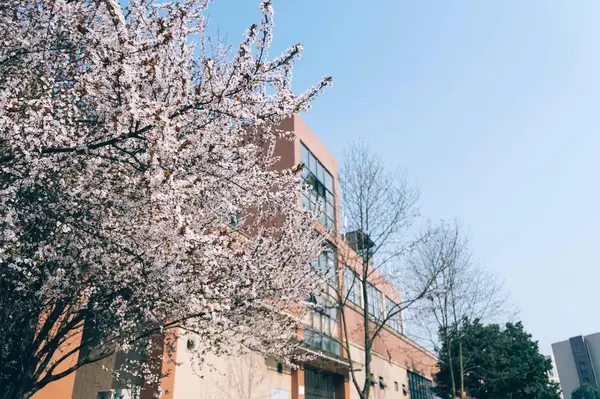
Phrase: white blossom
pixel 125 149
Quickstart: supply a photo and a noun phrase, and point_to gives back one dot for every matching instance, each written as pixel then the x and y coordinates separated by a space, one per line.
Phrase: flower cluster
pixel 127 144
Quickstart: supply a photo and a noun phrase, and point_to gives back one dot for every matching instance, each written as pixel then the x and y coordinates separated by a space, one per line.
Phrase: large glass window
pixel 419 386
pixel 394 321
pixel 320 195
pixel 322 326
pixel 352 286
pixel 326 263
pixel 375 298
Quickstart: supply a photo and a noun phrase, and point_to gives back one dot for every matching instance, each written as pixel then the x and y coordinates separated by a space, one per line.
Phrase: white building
pixel 553 374
pixel 578 361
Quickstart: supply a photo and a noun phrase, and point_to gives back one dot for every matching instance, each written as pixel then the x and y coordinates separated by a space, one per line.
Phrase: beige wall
pixel 390 344
pixel 250 376
pixel 390 370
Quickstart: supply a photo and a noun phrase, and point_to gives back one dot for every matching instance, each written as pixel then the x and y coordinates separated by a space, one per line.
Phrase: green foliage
pixel 498 362
pixel 585 392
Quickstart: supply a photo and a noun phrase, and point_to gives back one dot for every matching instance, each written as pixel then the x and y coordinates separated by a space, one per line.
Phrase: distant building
pixel 553 373
pixel 577 360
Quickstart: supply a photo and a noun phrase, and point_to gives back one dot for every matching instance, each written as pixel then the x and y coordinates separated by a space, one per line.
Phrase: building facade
pixel 578 361
pixel 400 369
pixel 553 373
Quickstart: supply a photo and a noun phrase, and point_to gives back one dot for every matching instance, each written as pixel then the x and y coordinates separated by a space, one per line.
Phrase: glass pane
pixel 310 337
pixel 312 163
pixel 329 197
pixel 304 154
pixel 320 172
pixel 328 181
pixel 325 343
pixel 305 201
pixel 333 313
pixel 305 174
pixel 313 201
pixel 307 319
pixel 338 349
pixel 335 330
pixel 319 188
pixel 329 210
pixel 310 180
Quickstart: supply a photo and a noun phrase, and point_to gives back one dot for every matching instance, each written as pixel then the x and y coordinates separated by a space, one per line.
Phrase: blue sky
pixel 493 109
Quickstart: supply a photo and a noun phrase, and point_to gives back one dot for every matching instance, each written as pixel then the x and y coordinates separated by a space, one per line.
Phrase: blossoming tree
pixel 127 144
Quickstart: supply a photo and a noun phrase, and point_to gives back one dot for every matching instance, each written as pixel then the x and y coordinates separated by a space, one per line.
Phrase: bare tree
pixel 460 291
pixel 378 207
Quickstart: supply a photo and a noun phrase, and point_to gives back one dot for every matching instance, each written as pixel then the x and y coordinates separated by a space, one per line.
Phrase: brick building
pixel 400 368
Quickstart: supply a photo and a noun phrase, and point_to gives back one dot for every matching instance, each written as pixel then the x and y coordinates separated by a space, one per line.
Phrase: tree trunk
pixel 367 386
pixel 461 367
pixel 16 392
pixel 450 364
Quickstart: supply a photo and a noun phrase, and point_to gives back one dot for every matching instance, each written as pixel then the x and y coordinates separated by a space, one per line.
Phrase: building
pixel 553 373
pixel 401 369
pixel 578 361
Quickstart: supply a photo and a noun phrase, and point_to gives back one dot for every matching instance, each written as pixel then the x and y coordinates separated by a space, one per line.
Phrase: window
pixel 419 386
pixel 375 297
pixel 326 321
pixel 234 220
pixel 320 195
pixel 396 386
pixel 326 262
pixel 323 329
pixel 381 383
pixel 320 334
pixel 322 322
pixel 394 321
pixel 352 286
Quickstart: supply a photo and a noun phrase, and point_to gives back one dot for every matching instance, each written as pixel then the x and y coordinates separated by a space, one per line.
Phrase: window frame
pixel 325 318
pixel 395 322
pixel 374 304
pixel 414 381
pixel 315 174
pixel 320 332
pixel 352 286
pixel 327 262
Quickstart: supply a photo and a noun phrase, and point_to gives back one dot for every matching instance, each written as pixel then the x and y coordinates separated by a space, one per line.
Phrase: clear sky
pixel 493 107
